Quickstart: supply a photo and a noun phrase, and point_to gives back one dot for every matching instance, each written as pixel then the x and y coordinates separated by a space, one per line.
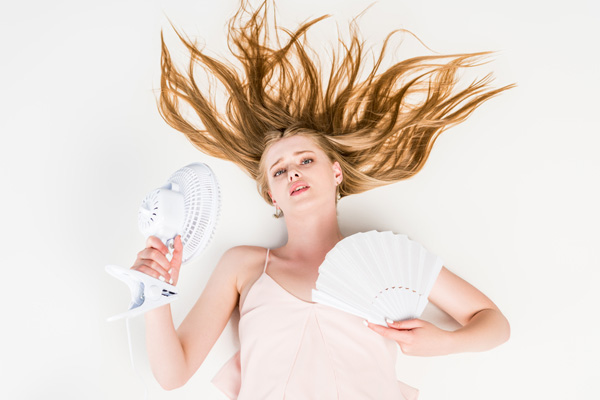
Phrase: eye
pixel 306 161
pixel 278 172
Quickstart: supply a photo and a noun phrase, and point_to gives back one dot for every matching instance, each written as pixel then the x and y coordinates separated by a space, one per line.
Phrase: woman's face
pixel 300 175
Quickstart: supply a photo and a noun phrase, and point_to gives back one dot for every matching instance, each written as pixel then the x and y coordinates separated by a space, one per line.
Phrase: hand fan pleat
pixel 375 275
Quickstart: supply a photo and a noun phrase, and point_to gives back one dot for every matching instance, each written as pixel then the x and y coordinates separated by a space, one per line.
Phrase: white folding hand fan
pixel 375 275
pixel 187 205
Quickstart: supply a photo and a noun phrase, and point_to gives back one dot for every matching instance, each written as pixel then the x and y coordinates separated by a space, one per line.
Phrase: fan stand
pixel 147 292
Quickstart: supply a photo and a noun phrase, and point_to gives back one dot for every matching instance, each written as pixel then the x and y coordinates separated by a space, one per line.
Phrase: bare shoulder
pixel 244 263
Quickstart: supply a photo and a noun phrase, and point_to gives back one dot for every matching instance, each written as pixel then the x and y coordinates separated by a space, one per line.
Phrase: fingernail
pixel 365 323
pixel 171 281
pixel 161 278
pixel 389 321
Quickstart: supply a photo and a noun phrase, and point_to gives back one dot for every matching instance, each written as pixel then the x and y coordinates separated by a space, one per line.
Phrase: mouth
pixel 299 189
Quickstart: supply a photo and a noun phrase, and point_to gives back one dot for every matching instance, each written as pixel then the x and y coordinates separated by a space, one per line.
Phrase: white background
pixel 509 199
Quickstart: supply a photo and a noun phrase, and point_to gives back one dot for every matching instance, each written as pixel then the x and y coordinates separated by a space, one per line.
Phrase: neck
pixel 310 237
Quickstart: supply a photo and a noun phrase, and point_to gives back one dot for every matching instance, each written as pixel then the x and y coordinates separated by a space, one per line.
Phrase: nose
pixel 293 174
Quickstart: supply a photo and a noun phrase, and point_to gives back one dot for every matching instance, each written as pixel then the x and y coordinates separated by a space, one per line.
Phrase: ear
pixel 271 196
pixel 337 171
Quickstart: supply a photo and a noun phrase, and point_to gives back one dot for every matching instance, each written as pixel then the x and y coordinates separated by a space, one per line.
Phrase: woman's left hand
pixel 417 337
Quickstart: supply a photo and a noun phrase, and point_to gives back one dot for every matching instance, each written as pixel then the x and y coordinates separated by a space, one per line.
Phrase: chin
pixel 311 208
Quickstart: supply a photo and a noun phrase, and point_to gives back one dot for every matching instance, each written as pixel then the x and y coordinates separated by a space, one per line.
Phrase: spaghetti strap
pixel 266 261
pixel 291 348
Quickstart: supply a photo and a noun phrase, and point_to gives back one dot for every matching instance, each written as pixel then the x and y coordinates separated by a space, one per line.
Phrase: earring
pixel 278 212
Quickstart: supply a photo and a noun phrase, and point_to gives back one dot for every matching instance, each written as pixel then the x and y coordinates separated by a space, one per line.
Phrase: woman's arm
pixel 206 320
pixel 176 355
pixel 483 325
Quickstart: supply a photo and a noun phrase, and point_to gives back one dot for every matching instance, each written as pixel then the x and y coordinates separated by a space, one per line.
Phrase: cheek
pixel 274 188
pixel 327 174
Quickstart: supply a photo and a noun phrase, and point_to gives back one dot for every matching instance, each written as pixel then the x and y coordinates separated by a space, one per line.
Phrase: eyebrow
pixel 296 153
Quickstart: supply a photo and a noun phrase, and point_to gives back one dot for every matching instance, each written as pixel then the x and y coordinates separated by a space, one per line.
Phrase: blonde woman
pixel 308 142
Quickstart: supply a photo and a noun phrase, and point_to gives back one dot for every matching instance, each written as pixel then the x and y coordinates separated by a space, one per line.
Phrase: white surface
pixel 508 199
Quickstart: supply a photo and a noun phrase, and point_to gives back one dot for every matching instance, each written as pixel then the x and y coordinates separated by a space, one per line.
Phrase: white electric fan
pixel 187 205
pixel 377 275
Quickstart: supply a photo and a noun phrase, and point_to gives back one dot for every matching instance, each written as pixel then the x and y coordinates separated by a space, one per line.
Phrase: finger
pixel 177 253
pixel 175 260
pixel 147 270
pixel 406 324
pixel 155 255
pixel 154 242
pixel 157 267
pixel 382 330
pixel 398 336
pixel 174 276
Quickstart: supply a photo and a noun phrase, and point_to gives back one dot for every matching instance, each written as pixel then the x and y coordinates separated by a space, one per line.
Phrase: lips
pixel 298 187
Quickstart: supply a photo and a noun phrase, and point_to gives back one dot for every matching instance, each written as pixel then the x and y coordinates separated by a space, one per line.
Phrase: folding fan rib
pixel 376 275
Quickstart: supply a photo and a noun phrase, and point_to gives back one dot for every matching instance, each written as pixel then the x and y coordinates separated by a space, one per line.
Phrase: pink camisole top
pixel 297 350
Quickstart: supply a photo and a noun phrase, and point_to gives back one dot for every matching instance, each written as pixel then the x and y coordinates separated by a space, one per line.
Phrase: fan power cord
pixel 131 358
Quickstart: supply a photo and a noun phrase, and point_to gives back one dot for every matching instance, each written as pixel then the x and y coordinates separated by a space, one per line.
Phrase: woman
pixel 307 146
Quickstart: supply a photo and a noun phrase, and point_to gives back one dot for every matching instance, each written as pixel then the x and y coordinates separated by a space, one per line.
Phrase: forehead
pixel 286 147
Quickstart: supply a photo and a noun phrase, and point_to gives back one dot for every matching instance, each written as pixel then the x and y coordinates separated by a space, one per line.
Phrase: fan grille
pixel 201 198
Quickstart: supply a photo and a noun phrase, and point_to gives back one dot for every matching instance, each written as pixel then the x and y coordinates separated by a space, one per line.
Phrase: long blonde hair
pixel 372 126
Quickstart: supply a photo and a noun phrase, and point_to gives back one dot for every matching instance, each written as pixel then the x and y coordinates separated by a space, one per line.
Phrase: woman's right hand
pixel 153 260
